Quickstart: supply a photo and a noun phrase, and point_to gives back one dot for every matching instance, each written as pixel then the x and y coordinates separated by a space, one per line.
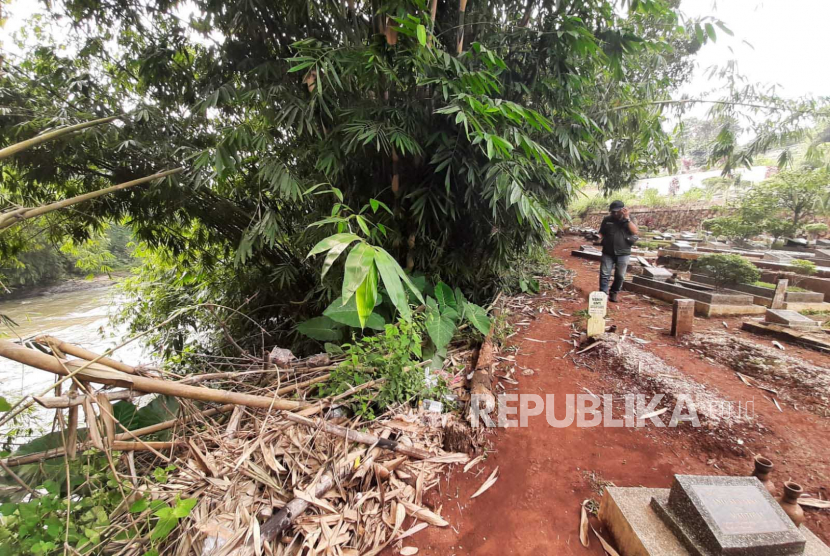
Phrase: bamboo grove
pixel 451 135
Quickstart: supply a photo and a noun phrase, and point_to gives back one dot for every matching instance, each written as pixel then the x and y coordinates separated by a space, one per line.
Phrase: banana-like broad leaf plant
pixel 366 267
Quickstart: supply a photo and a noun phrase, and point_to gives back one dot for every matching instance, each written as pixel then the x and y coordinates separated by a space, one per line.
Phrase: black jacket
pixel 614 234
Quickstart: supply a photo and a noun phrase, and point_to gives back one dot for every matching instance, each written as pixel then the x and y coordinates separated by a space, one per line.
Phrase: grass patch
pixel 815 313
pixel 761 284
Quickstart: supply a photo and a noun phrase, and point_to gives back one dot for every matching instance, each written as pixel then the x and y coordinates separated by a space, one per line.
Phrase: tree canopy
pixel 455 133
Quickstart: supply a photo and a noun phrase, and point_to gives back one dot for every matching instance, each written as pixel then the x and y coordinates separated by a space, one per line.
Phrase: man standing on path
pixel 615 234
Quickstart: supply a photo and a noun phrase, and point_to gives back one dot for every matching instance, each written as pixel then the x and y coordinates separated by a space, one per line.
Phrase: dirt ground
pixel 545 473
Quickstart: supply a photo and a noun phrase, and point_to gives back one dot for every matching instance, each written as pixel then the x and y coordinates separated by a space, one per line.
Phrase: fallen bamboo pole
pixel 282 520
pixel 93 372
pixel 97 373
pixel 62 402
pixel 292 387
pixel 118 445
pixel 77 351
pixel 35 457
pixel 173 422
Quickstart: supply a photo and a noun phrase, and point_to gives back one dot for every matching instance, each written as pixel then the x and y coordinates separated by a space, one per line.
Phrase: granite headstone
pixel 728 516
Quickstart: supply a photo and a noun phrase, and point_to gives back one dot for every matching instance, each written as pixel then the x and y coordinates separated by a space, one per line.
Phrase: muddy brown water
pixel 79 317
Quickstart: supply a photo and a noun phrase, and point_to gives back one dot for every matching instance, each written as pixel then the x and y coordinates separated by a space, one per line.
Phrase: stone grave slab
pixel 823 242
pixel 790 319
pixel 777 257
pixel 728 516
pixel 681 245
pixel 627 514
pixel 823 253
pixel 636 528
pixel 657 273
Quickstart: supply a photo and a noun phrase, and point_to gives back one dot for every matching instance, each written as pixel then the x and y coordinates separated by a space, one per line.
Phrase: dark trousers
pixel 619 263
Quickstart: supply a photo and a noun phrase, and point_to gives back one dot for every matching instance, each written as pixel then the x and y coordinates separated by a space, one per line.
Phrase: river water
pixel 78 317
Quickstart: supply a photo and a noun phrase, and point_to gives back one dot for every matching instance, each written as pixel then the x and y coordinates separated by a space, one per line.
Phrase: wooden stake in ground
pixel 780 295
pixel 597 306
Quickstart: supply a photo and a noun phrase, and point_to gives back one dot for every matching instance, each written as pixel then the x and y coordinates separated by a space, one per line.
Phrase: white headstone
pixel 597 304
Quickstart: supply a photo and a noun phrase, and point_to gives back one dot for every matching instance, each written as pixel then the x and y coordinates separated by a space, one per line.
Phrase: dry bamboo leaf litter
pixel 583 525
pixel 491 480
pixel 354 483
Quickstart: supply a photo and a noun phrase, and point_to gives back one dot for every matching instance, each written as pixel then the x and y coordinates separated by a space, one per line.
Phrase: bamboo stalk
pixel 74 400
pixel 120 439
pixel 104 375
pixel 77 351
pixel 11 218
pixel 72 426
pixel 292 387
pixel 158 427
pixel 23 145
pixel 118 445
pixel 295 508
pixel 526 17
pixel 462 10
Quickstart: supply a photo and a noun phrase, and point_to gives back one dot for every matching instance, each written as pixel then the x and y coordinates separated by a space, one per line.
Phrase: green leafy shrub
pixel 816 228
pixel 41 524
pixel 520 275
pixel 728 269
pixel 394 356
pixel 803 267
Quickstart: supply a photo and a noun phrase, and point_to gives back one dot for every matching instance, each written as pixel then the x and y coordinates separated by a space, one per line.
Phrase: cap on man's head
pixel 617 205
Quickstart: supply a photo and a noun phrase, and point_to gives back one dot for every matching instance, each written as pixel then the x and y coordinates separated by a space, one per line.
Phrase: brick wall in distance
pixel 675 218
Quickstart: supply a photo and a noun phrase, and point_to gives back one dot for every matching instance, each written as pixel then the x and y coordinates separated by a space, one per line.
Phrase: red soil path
pixel 546 473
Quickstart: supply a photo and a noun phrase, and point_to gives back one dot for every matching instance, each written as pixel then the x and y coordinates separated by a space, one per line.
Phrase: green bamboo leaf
pixel 365 296
pixel 332 255
pixel 477 316
pixel 710 30
pixel 422 35
pixel 332 241
pixel 389 273
pixel 724 28
pixel 358 264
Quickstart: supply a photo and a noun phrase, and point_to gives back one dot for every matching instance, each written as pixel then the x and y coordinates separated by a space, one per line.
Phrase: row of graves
pixel 781 311
pixel 705 515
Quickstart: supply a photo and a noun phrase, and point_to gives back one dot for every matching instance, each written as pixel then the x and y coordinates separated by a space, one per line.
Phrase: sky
pixel 788 39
